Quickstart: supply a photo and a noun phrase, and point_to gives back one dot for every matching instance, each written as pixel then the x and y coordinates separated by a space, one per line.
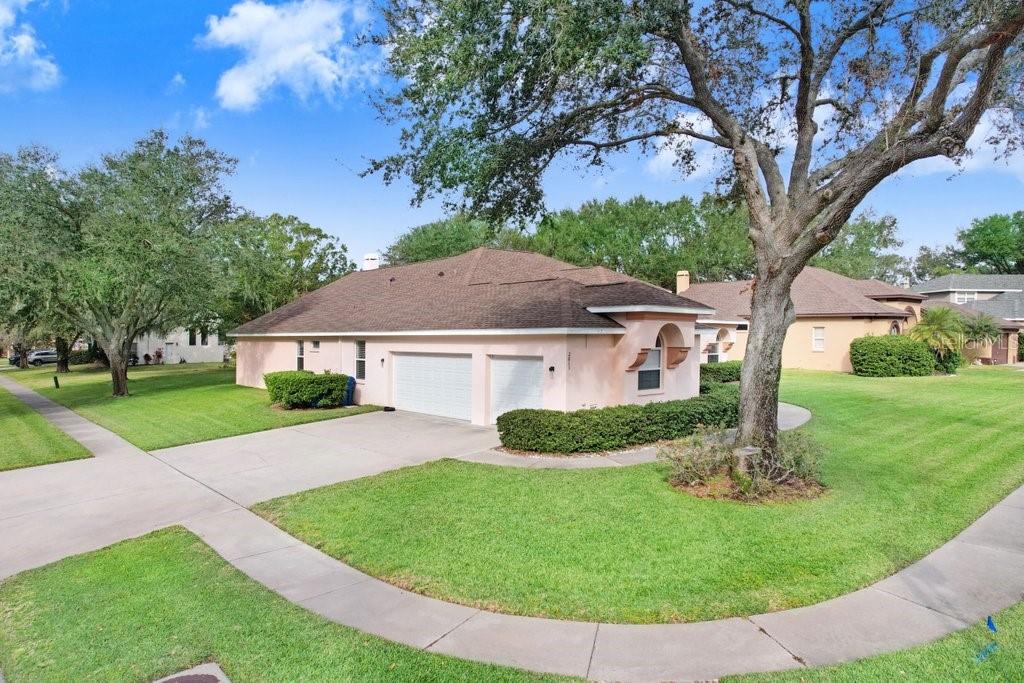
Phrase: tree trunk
pixel 63 354
pixel 117 354
pixel 22 355
pixel 772 313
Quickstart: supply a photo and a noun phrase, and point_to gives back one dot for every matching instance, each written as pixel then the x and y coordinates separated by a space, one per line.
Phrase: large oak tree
pixel 811 104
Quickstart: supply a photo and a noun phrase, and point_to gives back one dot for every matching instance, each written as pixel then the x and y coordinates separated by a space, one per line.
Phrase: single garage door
pixel 433 383
pixel 515 383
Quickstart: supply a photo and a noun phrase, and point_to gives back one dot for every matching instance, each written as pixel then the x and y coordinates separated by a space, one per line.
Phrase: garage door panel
pixel 435 384
pixel 516 382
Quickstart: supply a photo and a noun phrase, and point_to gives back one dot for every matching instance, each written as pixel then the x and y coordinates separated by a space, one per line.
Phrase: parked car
pixel 42 356
pixel 14 358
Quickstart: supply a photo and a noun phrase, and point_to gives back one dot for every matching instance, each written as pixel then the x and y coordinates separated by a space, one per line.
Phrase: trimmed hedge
pixel 305 389
pixel 603 429
pixel 891 356
pixel 729 371
pixel 950 362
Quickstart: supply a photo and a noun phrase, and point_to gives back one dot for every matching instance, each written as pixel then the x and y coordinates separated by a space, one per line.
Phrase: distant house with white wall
pixel 192 345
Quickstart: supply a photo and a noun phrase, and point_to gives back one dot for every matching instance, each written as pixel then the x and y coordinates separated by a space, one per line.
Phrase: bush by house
pixel 305 389
pixel 891 356
pixel 602 429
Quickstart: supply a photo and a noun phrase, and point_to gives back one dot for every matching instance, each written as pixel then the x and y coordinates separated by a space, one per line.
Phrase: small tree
pixel 941 328
pixel 812 105
pixel 981 329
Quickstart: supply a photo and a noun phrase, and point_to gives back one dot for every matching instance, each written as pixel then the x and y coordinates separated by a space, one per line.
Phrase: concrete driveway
pixel 255 467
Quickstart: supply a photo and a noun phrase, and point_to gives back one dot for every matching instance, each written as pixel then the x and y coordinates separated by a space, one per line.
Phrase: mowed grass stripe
pixel 172 405
pixel 911 462
pixel 27 439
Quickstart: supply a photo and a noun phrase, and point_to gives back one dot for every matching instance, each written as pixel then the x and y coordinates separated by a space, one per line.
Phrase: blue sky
pixel 277 86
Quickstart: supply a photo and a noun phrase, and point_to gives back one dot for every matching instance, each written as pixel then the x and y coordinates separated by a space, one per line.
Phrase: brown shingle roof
pixel 481 289
pixel 816 292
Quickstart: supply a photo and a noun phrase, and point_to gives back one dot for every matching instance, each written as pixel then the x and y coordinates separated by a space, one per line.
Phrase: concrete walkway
pixel 118 495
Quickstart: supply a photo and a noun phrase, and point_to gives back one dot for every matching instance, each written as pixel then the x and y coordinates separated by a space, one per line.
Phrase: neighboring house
pixel 472 336
pixel 998 296
pixel 831 311
pixel 194 346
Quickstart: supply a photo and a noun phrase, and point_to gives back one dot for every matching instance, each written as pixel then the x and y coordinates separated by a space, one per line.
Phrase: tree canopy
pixel 450 237
pixel 271 260
pixel 994 244
pixel 864 250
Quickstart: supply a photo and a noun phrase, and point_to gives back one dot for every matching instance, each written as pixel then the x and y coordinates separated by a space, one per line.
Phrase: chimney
pixel 371 261
pixel 682 281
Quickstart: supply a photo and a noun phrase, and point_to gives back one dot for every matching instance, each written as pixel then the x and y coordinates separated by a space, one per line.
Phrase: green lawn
pixel 27 439
pixel 911 462
pixel 958 657
pixel 165 602
pixel 172 404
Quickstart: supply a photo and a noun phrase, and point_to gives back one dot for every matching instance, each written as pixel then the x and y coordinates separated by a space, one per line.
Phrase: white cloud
pixel 983 157
pixel 200 118
pixel 706 158
pixel 298 44
pixel 176 84
pixel 24 62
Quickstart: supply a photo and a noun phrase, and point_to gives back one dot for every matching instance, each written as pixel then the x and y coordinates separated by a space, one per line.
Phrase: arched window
pixel 894 329
pixel 648 376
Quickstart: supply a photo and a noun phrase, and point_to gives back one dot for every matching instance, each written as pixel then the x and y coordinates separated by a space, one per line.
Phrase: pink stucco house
pixel 472 336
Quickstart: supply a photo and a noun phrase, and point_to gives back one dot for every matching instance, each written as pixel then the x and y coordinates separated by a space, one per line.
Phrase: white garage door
pixel 515 383
pixel 434 384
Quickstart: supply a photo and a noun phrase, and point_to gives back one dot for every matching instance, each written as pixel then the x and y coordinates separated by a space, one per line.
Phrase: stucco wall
pixel 580 371
pixel 797 352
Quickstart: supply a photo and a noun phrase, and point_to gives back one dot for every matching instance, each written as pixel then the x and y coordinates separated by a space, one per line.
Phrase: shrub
pixel 81 357
pixel 729 371
pixel 602 429
pixel 949 362
pixel 891 356
pixel 709 459
pixel 304 389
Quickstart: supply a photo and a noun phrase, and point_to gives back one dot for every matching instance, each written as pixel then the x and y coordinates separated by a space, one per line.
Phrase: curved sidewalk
pixel 976 574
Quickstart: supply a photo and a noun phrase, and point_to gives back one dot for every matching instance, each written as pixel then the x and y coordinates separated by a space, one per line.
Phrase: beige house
pixel 476 335
pixel 831 311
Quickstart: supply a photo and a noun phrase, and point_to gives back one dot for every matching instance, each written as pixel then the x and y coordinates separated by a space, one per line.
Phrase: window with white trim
pixel 964 297
pixel 714 352
pixel 191 337
pixel 316 345
pixel 300 355
pixel 818 339
pixel 360 359
pixel 204 338
pixel 894 328
pixel 648 376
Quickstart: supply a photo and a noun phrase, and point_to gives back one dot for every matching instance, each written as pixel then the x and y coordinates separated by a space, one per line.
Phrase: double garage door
pixel 442 384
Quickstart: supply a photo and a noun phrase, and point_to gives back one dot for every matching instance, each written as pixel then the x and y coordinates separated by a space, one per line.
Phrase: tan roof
pixel 816 292
pixel 481 289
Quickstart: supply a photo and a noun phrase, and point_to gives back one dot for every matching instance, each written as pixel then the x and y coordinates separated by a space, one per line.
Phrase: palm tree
pixel 940 328
pixel 981 329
